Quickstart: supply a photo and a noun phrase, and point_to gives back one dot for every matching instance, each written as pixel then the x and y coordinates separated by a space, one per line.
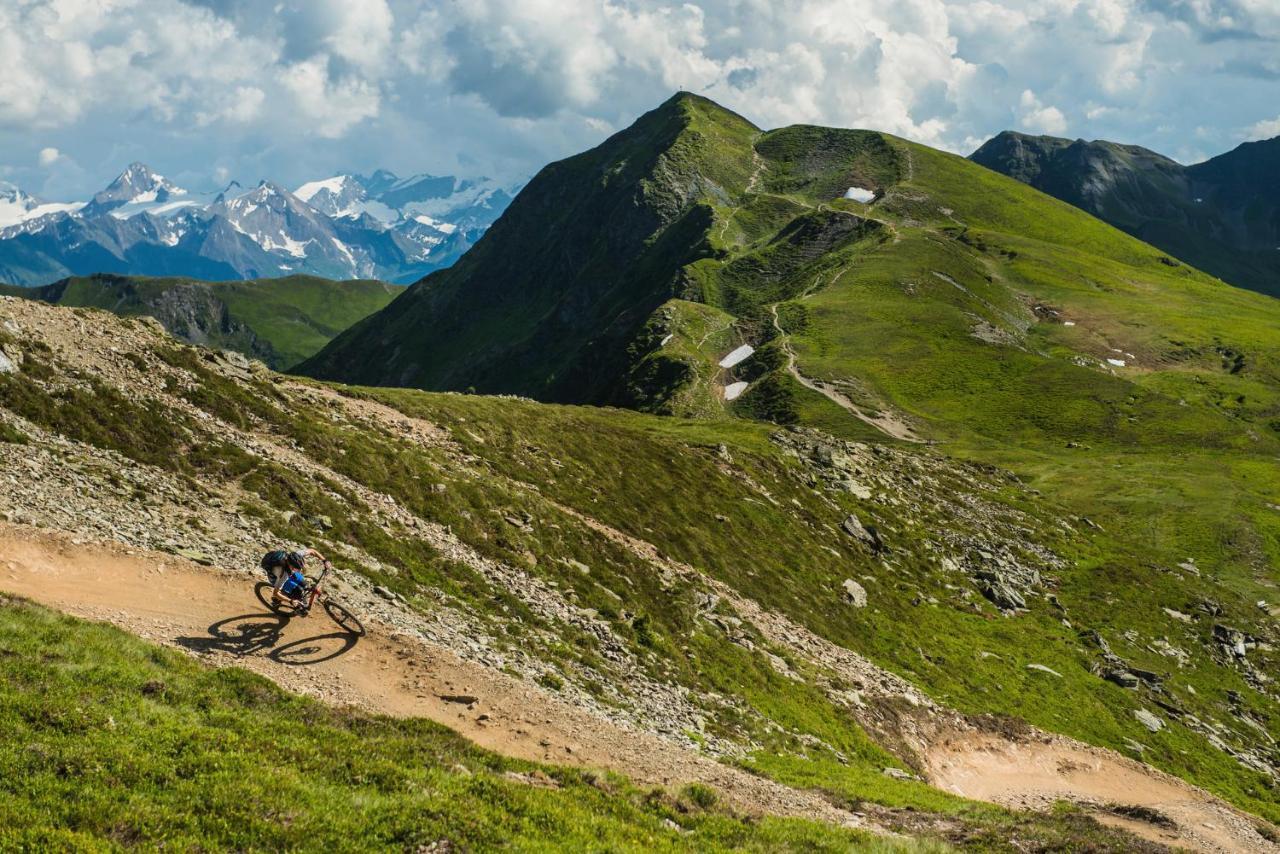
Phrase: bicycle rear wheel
pixel 263 591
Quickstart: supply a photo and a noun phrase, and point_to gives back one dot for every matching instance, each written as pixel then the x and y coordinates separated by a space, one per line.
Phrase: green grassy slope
pixel 1200 384
pixel 987 315
pixel 281 320
pixel 1174 453
pixel 549 299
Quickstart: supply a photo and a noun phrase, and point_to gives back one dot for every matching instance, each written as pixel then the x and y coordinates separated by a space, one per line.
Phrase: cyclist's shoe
pixel 286 600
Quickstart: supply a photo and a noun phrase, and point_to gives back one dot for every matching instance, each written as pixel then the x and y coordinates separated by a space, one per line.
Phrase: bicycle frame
pixel 315 590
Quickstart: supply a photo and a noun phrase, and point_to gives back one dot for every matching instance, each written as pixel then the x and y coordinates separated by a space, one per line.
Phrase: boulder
pixel 854 593
pixel 1209 607
pixel 1148 676
pixel 1148 720
pixel 1093 637
pixel 7 365
pixel 1001 593
pixel 1232 639
pixel 865 534
pixel 1040 668
pixel 234 359
pixel 852 486
pixel 194 556
pixel 1123 678
pixel 899 774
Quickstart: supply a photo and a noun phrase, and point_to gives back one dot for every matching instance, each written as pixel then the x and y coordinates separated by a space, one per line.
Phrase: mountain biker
pixel 284 566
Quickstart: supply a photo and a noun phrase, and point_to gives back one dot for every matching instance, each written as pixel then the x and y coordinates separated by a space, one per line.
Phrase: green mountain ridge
pixel 594 245
pixel 1221 215
pixel 279 320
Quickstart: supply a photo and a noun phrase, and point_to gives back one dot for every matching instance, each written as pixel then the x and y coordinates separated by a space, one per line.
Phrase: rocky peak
pixel 137 183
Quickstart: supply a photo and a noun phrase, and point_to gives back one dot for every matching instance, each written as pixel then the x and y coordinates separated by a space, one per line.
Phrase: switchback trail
pixel 885 422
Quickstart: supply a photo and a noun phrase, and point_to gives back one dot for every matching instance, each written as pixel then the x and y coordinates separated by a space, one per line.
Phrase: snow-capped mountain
pixel 17 207
pixel 138 189
pixel 344 195
pixel 430 200
pixel 347 226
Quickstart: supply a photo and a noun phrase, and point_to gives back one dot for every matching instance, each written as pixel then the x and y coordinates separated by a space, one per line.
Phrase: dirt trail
pixel 885 422
pixel 1035 772
pixel 215 614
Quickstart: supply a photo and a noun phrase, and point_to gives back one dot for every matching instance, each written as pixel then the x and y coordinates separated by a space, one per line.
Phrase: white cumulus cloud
pixel 292 89
pixel 49 156
pixel 1265 129
pixel 1040 118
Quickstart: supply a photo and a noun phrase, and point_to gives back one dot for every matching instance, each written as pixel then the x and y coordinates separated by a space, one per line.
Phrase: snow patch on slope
pixel 738 356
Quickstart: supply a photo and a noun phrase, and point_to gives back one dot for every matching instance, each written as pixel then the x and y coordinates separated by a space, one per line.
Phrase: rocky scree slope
pixel 1220 215
pixel 280 321
pixel 824 610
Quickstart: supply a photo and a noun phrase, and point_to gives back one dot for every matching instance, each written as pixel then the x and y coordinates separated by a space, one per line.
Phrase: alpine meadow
pixel 718 488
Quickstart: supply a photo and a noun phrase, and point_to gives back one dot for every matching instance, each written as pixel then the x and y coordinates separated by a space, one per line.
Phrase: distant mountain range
pixel 348 226
pixel 1222 215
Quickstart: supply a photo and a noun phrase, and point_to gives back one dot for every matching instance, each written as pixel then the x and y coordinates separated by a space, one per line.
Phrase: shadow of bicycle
pixel 316 649
pixel 247 634
pixel 258 634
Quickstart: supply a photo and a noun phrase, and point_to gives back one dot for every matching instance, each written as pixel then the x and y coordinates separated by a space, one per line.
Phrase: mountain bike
pixel 307 592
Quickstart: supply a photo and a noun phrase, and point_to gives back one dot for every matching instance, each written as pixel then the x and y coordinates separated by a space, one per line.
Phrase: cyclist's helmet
pixel 296 560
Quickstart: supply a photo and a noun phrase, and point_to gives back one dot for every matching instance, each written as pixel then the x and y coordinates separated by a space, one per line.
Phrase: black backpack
pixel 271 560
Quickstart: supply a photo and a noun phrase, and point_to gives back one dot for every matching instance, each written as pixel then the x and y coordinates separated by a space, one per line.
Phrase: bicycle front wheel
pixel 346 620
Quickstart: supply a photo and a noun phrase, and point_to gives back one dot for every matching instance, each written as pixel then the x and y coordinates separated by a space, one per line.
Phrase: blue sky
pixel 210 90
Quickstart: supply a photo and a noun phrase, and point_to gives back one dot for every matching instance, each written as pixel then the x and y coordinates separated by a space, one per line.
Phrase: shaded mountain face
pixel 343 227
pixel 1222 215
